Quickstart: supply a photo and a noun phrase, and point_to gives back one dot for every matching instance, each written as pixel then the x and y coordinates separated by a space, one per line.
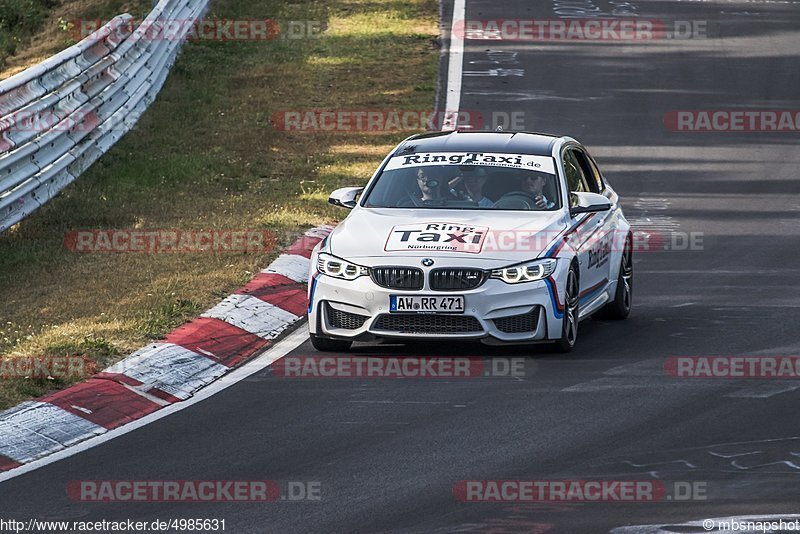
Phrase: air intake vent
pixel 343 319
pixel 428 324
pixel 518 324
pixel 397 277
pixel 456 279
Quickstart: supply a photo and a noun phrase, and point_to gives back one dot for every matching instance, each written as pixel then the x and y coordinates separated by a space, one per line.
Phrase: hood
pixel 376 235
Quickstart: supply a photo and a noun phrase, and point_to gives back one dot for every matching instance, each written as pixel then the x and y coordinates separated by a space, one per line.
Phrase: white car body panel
pixel 373 238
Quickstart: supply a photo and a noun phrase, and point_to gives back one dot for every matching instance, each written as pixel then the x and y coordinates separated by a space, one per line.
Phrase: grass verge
pixel 206 155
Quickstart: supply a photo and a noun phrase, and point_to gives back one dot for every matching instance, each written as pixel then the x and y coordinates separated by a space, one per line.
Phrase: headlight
pixel 525 272
pixel 339 268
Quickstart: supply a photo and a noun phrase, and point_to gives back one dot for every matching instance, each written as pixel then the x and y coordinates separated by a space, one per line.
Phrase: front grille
pixel 397 277
pixel 456 279
pixel 343 319
pixel 517 324
pixel 428 324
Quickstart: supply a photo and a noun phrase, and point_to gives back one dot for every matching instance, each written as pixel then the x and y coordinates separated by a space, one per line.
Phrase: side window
pixel 576 181
pixel 590 171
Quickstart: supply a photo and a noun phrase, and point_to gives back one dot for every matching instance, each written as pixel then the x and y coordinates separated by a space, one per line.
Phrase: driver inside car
pixel 533 184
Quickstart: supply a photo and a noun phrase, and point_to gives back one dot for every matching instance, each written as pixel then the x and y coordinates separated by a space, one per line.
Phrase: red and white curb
pixel 169 371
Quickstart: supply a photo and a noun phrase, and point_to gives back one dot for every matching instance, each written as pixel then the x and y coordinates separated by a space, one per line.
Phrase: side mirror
pixel 588 203
pixel 345 197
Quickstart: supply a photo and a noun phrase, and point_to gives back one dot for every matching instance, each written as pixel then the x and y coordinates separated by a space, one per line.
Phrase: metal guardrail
pixel 60 116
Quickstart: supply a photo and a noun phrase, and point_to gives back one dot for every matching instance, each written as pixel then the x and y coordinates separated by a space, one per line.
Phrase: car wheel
pixel 326 344
pixel 569 324
pixel 620 308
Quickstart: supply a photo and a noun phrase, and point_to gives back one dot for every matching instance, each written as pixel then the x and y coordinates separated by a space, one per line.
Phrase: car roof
pixel 537 144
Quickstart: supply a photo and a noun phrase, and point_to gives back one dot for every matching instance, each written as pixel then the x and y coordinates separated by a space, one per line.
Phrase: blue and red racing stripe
pixel 552 289
pixel 561 241
pixel 592 291
pixel 312 286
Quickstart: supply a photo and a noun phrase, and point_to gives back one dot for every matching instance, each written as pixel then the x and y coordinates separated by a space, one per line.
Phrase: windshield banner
pixel 489 159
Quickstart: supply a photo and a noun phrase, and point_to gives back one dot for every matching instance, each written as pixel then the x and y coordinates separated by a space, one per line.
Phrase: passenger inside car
pixel 469 184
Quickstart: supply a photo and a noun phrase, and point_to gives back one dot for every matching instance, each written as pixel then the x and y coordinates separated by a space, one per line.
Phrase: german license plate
pixel 426 304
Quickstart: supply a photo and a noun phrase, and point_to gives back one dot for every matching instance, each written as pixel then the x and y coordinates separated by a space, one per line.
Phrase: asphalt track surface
pixel 387 453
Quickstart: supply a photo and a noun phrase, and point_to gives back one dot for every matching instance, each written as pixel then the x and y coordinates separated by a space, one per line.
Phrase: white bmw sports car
pixel 499 236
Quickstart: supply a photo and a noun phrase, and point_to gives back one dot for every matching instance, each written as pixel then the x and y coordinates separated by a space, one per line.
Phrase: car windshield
pixel 475 181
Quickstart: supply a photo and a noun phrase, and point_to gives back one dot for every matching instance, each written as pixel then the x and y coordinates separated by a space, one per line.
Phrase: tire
pixel 569 324
pixel 620 307
pixel 326 344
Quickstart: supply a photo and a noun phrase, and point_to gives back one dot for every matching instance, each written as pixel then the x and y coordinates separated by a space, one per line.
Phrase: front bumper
pixel 494 312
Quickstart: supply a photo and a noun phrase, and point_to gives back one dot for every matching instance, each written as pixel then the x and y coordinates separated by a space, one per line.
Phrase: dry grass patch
pixel 48 27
